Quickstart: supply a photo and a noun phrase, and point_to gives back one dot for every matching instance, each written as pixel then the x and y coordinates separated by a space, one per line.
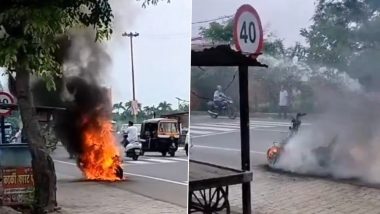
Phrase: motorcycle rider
pixel 131 134
pixel 219 97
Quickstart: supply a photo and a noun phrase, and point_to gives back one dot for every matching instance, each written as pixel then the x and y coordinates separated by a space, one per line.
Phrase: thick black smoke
pixel 90 102
pixel 80 91
pixel 83 95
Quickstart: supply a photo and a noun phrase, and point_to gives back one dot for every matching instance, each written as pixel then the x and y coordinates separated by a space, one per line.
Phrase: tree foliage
pixel 122 111
pixel 218 32
pixel 31 28
pixel 145 3
pixel 345 35
pixel 32 35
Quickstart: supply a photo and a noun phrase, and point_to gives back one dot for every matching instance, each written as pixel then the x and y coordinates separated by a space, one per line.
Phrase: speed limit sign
pixel 5 98
pixel 248 32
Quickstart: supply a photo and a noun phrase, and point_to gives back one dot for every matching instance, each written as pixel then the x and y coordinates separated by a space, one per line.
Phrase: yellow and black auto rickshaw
pixel 160 135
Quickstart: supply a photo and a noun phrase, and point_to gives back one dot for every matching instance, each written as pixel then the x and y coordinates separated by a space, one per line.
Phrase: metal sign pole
pixel 3 130
pixel 244 134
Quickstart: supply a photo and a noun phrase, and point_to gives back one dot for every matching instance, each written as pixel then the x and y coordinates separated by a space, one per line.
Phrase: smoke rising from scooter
pixel 85 68
pixel 342 142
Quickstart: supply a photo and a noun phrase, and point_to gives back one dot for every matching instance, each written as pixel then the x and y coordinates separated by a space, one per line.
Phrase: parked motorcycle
pixel 227 109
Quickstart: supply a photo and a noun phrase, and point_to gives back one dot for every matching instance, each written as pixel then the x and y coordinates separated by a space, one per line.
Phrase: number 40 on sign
pixel 248 32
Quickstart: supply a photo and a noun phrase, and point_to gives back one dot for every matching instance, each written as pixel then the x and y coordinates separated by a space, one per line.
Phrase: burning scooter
pixel 323 154
pixel 275 151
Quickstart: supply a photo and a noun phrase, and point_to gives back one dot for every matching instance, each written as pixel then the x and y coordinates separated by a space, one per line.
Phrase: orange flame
pixel 272 152
pixel 100 159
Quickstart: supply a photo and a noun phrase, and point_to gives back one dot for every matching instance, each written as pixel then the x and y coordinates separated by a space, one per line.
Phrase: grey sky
pixel 161 52
pixel 285 18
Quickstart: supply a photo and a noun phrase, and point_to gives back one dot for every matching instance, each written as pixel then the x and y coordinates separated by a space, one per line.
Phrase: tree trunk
pixel 43 166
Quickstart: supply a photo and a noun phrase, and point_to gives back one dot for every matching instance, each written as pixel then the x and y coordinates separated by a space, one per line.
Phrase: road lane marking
pixel 158 179
pixel 198 131
pixel 235 127
pixel 160 160
pixel 251 122
pixel 270 130
pixel 213 134
pixel 179 159
pixel 223 125
pixel 228 149
pixel 221 133
pixel 137 175
pixel 127 162
pixel 210 128
pixel 64 162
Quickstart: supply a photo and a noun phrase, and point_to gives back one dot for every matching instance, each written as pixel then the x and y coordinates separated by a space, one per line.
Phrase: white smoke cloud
pixel 350 118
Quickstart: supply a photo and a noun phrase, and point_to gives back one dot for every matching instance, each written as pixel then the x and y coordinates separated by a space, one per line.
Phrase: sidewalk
pixel 81 197
pixel 276 193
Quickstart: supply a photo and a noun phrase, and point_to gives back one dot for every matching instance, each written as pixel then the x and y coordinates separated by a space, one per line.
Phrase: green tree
pixel 218 32
pixel 152 2
pixel 118 107
pixel 164 108
pixel 149 110
pixel 183 107
pixel 30 45
pixel 345 36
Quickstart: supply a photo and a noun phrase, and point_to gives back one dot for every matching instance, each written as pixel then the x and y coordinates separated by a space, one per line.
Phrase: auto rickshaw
pixel 160 135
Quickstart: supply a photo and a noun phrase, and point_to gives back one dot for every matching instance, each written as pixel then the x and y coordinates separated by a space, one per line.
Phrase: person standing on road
pixel 283 102
pixel 131 134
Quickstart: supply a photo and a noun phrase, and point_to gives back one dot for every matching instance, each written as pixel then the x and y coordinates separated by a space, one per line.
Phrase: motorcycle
pixel 132 149
pixel 323 154
pixel 274 152
pixel 227 109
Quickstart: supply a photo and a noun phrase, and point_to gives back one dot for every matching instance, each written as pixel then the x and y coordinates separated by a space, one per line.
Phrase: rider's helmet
pixel 219 87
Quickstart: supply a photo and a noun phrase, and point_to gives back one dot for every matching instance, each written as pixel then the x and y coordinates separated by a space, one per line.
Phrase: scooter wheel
pixel 135 157
pixel 163 154
pixel 172 154
pixel 119 172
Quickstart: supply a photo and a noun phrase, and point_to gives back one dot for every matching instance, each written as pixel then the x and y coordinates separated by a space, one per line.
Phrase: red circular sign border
pixel 11 99
pixel 250 9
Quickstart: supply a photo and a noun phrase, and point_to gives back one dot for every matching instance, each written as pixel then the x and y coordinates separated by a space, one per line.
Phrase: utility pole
pixel 131 35
pixel 179 100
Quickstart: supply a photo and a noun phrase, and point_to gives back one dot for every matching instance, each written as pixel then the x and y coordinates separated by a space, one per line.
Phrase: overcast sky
pixel 285 18
pixel 161 52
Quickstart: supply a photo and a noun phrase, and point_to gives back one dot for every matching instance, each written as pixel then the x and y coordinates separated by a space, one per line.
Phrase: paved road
pixel 161 178
pixel 218 141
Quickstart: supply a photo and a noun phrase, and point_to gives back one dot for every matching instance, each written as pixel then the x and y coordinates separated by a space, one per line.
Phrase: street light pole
pixel 131 35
